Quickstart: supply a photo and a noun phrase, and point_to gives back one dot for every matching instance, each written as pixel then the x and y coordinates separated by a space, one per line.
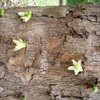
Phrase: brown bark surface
pixel 54 36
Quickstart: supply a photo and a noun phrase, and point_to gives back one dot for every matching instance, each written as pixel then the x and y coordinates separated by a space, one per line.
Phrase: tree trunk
pixel 54 36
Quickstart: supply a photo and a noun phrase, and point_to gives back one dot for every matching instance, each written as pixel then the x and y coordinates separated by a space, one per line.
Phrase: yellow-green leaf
pixel 2 12
pixel 77 67
pixel 19 44
pixel 25 16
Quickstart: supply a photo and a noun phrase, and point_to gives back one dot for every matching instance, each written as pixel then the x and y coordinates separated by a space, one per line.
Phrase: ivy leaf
pixel 19 44
pixel 76 67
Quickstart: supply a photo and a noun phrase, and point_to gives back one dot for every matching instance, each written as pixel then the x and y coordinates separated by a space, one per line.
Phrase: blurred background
pixel 24 3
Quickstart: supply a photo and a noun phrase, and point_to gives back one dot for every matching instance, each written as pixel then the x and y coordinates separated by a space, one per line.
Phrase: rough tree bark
pixel 54 36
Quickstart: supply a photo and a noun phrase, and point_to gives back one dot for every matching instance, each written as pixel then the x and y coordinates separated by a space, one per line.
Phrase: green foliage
pixel 23 98
pixel 1 12
pixel 28 13
pixel 69 2
pixel 95 88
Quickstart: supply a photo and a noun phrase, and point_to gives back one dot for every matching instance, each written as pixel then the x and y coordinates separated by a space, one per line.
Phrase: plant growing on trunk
pixel 2 12
pixel 77 67
pixel 95 88
pixel 25 16
pixel 19 44
pixel 23 98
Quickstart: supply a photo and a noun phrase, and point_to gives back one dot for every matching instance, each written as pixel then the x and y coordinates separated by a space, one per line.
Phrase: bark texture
pixel 54 36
